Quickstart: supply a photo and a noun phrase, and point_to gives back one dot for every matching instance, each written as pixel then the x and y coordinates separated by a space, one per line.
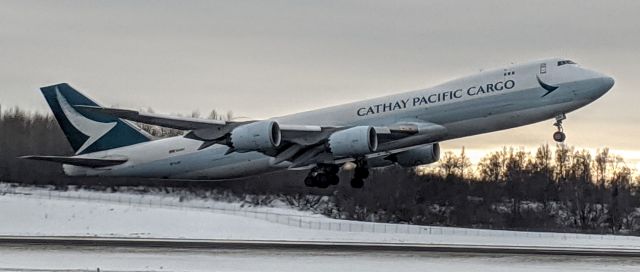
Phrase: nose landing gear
pixel 559 135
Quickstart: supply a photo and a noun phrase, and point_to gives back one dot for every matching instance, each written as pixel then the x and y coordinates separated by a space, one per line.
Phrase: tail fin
pixel 89 132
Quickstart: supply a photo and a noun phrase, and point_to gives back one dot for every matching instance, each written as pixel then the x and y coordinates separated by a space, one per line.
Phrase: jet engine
pixel 353 141
pixel 417 156
pixel 257 136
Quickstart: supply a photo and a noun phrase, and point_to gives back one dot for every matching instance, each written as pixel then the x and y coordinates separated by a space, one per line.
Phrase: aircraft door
pixel 545 72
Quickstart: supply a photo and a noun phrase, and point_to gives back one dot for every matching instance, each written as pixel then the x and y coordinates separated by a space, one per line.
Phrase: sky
pixel 262 59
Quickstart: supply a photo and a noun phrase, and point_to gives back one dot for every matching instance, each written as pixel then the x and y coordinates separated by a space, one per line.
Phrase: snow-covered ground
pixel 39 212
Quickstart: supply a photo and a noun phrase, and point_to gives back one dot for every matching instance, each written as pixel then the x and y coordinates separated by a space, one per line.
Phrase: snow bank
pixel 52 213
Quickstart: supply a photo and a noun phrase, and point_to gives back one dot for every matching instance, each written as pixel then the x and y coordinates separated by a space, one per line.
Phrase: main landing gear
pixel 361 172
pixel 559 135
pixel 322 176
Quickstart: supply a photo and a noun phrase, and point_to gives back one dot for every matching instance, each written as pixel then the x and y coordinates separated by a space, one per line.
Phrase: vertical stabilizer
pixel 88 131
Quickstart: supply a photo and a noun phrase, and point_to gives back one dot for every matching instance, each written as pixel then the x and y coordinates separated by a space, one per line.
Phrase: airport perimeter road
pixel 39 241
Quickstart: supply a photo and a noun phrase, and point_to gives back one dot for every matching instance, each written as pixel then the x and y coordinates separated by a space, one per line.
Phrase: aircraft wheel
pixel 362 173
pixel 559 136
pixel 322 181
pixel 333 179
pixel 310 182
pixel 357 183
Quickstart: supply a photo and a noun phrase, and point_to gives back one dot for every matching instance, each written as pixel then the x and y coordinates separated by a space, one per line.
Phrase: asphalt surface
pixel 40 241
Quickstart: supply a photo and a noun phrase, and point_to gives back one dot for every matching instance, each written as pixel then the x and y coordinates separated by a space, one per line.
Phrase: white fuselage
pixel 484 102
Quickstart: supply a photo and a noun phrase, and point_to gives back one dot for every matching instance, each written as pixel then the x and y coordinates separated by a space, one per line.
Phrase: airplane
pixel 404 129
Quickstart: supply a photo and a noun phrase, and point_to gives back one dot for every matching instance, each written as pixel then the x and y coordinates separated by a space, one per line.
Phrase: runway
pixel 202 244
pixel 47 257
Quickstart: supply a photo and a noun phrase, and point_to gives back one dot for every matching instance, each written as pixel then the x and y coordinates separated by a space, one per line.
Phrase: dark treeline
pixel 563 190
pixel 566 190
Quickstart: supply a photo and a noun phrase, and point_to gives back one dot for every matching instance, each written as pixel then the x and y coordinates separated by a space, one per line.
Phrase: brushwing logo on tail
pixel 546 86
pixel 95 130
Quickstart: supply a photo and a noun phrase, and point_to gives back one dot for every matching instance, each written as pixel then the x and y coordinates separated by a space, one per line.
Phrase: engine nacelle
pixel 353 141
pixel 257 136
pixel 417 156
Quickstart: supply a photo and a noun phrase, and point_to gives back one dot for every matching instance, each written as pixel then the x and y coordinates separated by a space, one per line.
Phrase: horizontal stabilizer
pixel 85 162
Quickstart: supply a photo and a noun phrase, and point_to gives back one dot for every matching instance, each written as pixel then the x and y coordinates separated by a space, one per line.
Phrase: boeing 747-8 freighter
pixel 402 129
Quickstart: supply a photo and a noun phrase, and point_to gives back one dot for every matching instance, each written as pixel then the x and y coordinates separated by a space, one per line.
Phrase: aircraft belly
pixel 218 165
pixel 247 167
pixel 506 120
pixel 209 163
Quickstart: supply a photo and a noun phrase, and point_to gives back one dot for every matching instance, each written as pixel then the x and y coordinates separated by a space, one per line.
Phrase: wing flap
pixel 85 162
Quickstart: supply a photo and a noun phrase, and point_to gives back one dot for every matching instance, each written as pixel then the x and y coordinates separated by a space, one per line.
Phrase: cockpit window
pixel 563 62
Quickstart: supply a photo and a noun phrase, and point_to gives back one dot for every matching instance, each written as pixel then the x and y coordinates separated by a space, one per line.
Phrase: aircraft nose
pixel 607 82
pixel 603 84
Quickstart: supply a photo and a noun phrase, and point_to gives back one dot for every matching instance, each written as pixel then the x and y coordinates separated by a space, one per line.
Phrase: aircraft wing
pixel 211 131
pixel 85 162
pixel 182 123
pixel 302 144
